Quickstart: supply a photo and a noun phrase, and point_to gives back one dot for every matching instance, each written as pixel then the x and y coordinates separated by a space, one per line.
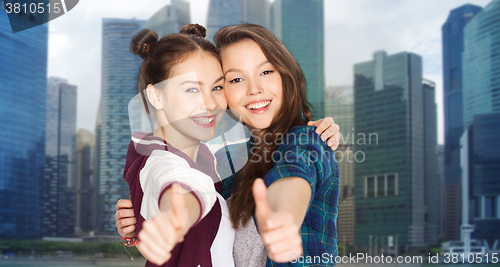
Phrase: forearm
pixel 291 195
pixel 191 203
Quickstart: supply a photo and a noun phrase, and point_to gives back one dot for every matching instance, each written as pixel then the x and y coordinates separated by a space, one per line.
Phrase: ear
pixel 154 97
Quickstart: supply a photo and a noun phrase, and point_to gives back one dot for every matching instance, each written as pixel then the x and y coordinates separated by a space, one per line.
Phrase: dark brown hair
pixel 159 57
pixel 294 111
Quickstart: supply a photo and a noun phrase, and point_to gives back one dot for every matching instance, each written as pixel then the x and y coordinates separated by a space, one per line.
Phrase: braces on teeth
pixel 204 120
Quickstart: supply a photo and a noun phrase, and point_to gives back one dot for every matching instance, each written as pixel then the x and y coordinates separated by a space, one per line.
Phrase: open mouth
pixel 204 121
pixel 259 107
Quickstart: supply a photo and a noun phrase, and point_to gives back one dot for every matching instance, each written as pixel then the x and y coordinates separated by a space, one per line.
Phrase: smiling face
pixel 253 86
pixel 191 103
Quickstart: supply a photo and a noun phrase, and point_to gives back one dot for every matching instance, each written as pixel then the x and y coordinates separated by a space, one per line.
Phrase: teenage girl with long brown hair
pixel 295 203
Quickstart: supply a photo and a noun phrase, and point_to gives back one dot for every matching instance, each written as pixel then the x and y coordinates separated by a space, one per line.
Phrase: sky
pixel 354 30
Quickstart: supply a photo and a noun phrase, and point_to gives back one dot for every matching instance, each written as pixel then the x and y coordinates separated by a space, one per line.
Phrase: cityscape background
pixel 414 86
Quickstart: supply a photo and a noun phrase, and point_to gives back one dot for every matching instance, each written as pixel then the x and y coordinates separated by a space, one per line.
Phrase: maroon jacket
pixel 195 249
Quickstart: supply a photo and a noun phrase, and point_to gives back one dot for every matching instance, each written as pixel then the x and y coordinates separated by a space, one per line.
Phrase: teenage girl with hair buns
pixel 170 174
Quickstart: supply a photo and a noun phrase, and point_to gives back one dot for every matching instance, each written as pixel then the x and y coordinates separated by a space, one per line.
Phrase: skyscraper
pixel 432 197
pixel 120 71
pixel 300 26
pixel 481 64
pixel 23 81
pixel 440 172
pixel 222 13
pixel 170 18
pixel 481 171
pixel 60 156
pixel 85 183
pixel 453 46
pixel 390 149
pixel 339 105
pixel 97 169
pixel 481 109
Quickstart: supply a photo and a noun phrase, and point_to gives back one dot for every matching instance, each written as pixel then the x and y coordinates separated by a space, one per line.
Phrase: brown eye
pixel 236 80
pixel 266 72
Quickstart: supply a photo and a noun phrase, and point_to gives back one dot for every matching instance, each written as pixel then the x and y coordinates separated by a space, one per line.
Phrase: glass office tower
pixel 481 64
pixel 120 71
pixel 23 82
pixel 222 13
pixel 300 26
pixel 170 18
pixel 481 107
pixel 483 160
pixel 433 191
pixel 60 156
pixel 85 183
pixel 339 105
pixel 389 150
pixel 453 46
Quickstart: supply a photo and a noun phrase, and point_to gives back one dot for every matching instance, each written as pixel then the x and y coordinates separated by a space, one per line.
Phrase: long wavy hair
pixel 294 111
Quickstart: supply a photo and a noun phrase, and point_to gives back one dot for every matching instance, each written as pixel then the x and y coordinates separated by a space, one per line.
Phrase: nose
pixel 208 102
pixel 254 87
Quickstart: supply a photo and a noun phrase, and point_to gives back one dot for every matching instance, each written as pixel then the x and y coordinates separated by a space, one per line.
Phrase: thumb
pixel 311 123
pixel 262 208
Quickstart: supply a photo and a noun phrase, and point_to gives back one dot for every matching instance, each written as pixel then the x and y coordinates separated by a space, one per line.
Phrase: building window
pixel 381 185
pixel 490 207
pixel 370 186
pixel 392 185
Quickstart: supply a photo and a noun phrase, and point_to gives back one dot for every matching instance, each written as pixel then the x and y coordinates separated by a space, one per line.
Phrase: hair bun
pixel 195 29
pixel 142 41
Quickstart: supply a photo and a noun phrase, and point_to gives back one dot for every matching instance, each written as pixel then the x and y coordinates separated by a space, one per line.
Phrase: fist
pixel 277 229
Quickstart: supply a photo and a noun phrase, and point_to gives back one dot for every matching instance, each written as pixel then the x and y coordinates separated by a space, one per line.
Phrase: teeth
pixel 258 105
pixel 204 120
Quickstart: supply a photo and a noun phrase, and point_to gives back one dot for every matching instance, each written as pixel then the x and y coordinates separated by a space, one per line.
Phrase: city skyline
pixel 74 40
pixel 384 93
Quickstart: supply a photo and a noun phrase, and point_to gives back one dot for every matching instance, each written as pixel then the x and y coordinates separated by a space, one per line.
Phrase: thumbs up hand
pixel 160 234
pixel 278 230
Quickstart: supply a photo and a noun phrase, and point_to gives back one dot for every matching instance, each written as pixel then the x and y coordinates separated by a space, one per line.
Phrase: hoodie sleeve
pixel 164 168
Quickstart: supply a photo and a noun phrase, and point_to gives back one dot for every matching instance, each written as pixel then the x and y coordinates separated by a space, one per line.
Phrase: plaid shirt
pixel 303 154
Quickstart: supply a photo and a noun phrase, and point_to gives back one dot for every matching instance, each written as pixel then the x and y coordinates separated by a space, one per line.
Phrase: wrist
pixel 130 241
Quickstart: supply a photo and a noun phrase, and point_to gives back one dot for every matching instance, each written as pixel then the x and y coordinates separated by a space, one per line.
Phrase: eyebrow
pixel 238 70
pixel 193 82
pixel 201 83
pixel 219 79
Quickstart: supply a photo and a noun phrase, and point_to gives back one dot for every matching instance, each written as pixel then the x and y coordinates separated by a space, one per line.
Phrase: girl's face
pixel 193 99
pixel 253 86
